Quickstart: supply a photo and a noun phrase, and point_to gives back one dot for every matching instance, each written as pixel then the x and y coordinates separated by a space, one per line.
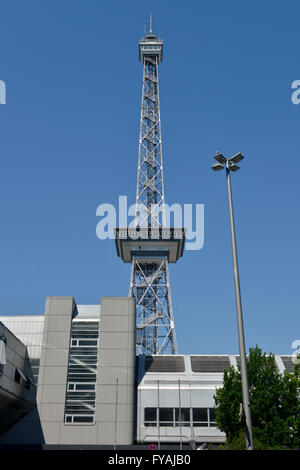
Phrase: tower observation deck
pixel 150 245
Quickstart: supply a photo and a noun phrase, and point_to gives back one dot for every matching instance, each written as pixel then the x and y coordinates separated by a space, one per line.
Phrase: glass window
pixel 200 424
pixel 17 376
pixel 212 417
pixel 83 334
pixel 85 387
pixel 83 419
pixel 150 414
pixel 200 417
pixel 88 342
pixel 169 417
pixel 2 352
pixel 200 414
pixel 166 416
pixel 182 416
pixel 82 371
pixel 150 417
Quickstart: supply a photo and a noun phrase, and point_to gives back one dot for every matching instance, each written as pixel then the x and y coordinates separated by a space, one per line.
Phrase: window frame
pixel 208 423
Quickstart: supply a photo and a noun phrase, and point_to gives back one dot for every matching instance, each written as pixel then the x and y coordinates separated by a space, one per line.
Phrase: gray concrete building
pixel 17 388
pixel 86 376
pixel 91 388
pixel 87 373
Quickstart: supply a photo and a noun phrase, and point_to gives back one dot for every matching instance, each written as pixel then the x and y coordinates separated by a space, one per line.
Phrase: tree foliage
pixel 274 403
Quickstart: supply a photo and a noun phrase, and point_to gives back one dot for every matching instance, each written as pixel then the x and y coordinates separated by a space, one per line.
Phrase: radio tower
pixel 151 246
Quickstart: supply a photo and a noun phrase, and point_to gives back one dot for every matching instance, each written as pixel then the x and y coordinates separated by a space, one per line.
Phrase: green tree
pixel 274 403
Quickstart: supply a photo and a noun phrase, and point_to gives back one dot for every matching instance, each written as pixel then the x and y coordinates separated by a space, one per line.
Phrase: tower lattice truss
pixel 150 274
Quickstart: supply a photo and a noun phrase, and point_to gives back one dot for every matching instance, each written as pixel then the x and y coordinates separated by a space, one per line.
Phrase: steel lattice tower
pixel 150 188
pixel 154 245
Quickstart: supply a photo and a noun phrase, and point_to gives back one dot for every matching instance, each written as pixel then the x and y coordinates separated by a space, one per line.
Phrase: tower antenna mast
pixel 154 245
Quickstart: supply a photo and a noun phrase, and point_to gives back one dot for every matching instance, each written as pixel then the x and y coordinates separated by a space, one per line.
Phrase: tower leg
pixel 155 322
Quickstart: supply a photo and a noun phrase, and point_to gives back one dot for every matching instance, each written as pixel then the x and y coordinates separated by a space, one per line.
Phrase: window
pixel 82 373
pixel 85 387
pixel 212 417
pixel 176 417
pixel 35 364
pixel 2 353
pixel 79 419
pixel 182 417
pixel 84 342
pixel 150 48
pixel 150 418
pixel 200 417
pixel 17 376
pixel 166 416
pixel 83 419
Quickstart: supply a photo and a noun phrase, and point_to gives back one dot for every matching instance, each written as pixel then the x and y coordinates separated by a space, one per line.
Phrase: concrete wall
pixel 116 361
pixel 54 366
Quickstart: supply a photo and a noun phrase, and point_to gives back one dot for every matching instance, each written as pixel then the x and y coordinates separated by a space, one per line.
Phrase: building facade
pixel 86 376
pixel 17 388
pixel 92 389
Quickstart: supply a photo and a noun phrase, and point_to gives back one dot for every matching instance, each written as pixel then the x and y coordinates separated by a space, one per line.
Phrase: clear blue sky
pixel 69 142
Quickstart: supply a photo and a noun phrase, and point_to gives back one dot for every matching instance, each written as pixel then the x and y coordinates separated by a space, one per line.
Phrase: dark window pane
pixel 166 414
pixel 87 342
pixel 77 351
pixel 200 414
pixel 182 415
pixel 69 419
pixel 200 425
pixel 81 368
pixel 212 414
pixel 150 414
pixel 35 362
pixel 17 376
pixel 84 335
pixel 87 395
pixel 85 387
pixel 78 410
pixel 83 419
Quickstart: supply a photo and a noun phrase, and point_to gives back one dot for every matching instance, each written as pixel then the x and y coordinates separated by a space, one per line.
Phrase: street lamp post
pixel 231 165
